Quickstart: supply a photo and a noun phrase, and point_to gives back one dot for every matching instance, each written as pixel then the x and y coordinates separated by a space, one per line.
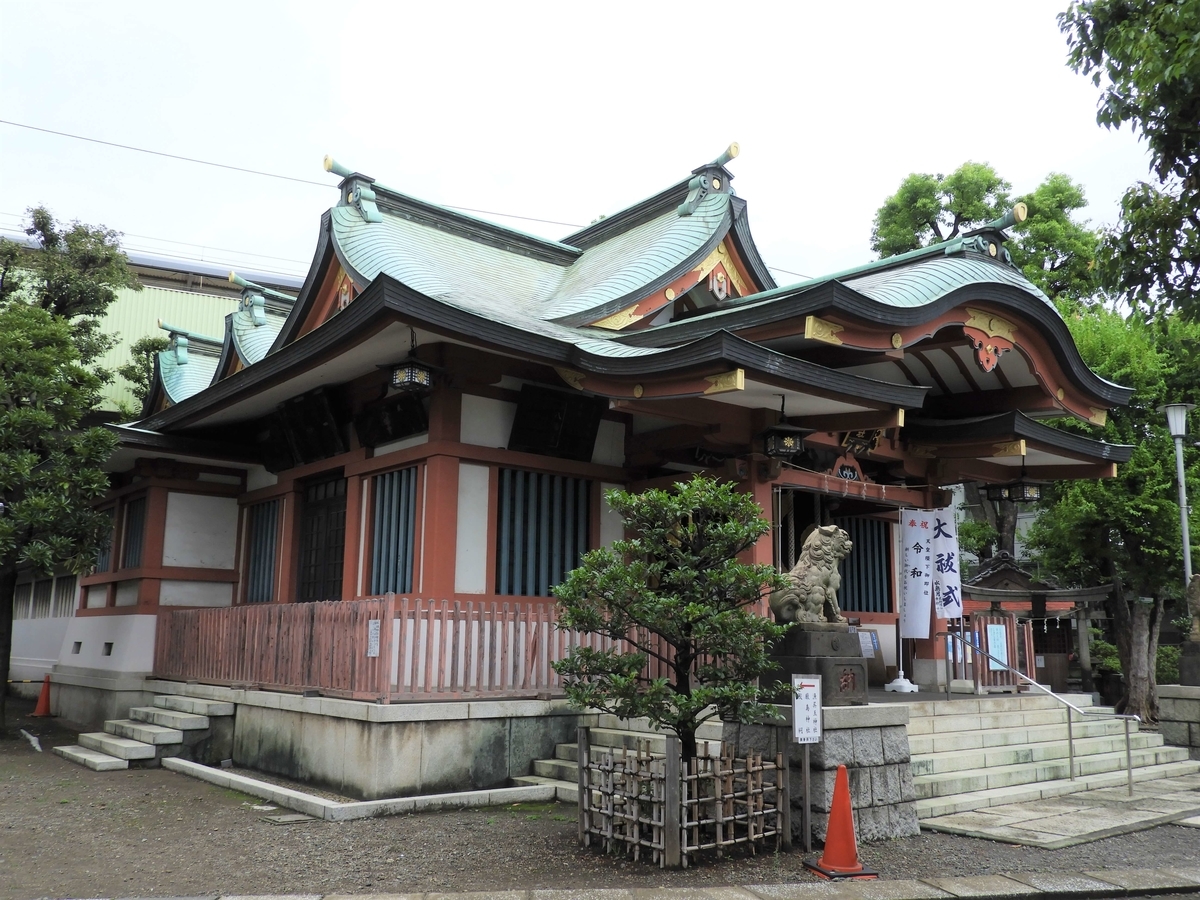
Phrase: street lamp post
pixel 1177 425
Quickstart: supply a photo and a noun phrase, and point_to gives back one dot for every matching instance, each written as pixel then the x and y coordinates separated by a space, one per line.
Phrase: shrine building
pixel 436 416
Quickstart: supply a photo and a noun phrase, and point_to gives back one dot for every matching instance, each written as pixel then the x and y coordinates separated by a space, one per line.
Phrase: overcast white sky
pixel 558 111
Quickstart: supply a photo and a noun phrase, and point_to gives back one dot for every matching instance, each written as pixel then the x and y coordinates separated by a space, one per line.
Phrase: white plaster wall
pixel 97 596
pixel 127 593
pixel 201 531
pixel 195 593
pixel 612 526
pixel 258 477
pixel 132 638
pixel 403 444
pixel 610 444
pixel 486 422
pixel 36 644
pixel 471 550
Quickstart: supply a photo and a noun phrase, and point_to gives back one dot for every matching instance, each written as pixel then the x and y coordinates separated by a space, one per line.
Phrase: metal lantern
pixel 412 376
pixel 1017 491
pixel 784 441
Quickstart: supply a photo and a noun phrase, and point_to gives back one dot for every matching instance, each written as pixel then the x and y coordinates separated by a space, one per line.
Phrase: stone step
pixel 957 724
pixel 974 780
pixel 988 705
pixel 709 731
pixel 921 744
pixel 967 802
pixel 168 718
pixel 559 769
pixel 144 732
pixel 958 760
pixel 656 743
pixel 122 748
pixel 194 705
pixel 567 792
pixel 93 759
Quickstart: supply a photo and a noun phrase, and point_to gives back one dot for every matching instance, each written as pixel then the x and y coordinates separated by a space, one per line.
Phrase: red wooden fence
pixel 298 646
pixel 433 649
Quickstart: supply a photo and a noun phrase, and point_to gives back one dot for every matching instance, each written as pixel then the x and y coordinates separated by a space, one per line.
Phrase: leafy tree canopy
pixel 1054 250
pixel 1144 55
pixel 74 273
pixel 139 371
pixel 676 594
pixel 1125 529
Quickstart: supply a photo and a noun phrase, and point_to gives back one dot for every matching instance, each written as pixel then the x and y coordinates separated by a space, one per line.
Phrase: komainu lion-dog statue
pixel 811 595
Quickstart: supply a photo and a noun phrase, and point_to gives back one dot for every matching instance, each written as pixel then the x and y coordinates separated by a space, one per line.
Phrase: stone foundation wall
pixel 872 742
pixel 1179 716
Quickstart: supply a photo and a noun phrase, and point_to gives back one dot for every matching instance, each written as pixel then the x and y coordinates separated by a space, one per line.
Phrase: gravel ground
pixel 66 831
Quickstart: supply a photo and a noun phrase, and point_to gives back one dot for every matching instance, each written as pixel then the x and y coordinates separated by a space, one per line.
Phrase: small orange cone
pixel 840 859
pixel 43 704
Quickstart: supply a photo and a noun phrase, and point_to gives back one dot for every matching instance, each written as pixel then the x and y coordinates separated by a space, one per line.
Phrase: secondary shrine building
pixel 437 414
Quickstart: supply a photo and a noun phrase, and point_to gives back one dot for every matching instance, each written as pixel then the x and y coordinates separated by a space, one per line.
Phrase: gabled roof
pixel 187 366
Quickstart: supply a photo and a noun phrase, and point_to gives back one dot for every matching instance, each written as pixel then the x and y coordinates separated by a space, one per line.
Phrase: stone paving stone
pixel 481 895
pixel 689 893
pixel 979 819
pixel 991 886
pixel 374 896
pixel 803 891
pixel 1076 825
pixel 1146 879
pixel 584 894
pixel 271 897
pixel 1067 883
pixel 1193 822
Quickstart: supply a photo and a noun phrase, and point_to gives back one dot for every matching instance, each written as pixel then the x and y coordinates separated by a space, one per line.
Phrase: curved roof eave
pixel 837 296
pixel 1015 424
pixel 312 285
pixel 388 297
pixel 744 244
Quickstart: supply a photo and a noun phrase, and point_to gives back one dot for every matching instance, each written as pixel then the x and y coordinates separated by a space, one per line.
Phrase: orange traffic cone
pixel 43 704
pixel 840 859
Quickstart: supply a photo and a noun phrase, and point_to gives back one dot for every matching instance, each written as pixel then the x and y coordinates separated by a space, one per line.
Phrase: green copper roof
pixel 252 340
pixel 929 279
pixel 188 365
pixel 486 276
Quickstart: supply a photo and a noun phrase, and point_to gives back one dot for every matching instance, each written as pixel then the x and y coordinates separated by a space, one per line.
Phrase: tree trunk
pixel 8 584
pixel 1136 637
pixel 1001 515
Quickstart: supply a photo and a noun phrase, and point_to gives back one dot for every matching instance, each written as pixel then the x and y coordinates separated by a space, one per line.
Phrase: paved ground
pixel 1078 818
pixel 66 831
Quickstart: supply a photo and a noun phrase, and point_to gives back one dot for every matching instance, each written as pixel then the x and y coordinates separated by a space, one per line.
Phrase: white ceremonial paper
pixel 372 637
pixel 916 572
pixel 806 709
pixel 947 588
pixel 866 642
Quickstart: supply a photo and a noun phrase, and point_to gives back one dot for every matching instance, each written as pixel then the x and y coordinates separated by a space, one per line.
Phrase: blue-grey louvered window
pixel 260 551
pixel 867 571
pixel 394 527
pixel 104 554
pixel 135 533
pixel 542 530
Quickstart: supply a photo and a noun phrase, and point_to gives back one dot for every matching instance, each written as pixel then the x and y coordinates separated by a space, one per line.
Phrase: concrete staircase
pixel 173 726
pixel 563 771
pixel 981 752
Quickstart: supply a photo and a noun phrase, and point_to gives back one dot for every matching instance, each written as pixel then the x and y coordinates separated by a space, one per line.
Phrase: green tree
pixel 675 593
pixel 1125 530
pixel 139 371
pixel 74 273
pixel 1144 55
pixel 1052 248
pixel 50 469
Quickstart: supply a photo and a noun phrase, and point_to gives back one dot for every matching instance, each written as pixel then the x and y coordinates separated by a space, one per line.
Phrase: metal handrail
pixel 1070 706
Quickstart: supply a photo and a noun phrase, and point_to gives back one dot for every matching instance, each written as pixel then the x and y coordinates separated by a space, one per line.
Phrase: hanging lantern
pixel 412 376
pixel 1016 491
pixel 784 441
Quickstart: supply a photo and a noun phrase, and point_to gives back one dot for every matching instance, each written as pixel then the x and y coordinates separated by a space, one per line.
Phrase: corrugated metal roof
pixel 135 314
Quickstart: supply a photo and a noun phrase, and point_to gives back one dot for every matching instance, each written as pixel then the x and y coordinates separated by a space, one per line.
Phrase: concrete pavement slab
pixel 374 896
pixel 1068 883
pixel 991 886
pixel 1146 879
pixel 582 894
pixel 481 895
pixel 714 893
pixel 1193 822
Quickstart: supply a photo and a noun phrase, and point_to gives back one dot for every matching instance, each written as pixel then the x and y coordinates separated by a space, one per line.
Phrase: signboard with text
pixel 806 709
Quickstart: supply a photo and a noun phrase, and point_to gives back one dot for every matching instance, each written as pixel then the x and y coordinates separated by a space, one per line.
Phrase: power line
pixel 217 165
pixel 788 272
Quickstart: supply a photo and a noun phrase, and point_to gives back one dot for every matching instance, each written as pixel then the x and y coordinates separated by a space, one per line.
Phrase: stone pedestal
pixel 1189 663
pixel 1179 715
pixel 827 649
pixel 871 742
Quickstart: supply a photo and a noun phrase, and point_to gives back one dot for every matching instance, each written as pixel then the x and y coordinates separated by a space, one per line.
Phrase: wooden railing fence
pixel 423 649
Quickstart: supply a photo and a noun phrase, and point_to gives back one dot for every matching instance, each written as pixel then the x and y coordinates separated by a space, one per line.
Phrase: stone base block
pixel 801 641
pixel 843 678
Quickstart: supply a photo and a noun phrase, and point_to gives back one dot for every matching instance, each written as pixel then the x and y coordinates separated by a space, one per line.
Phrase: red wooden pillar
pixel 289 542
pixel 153 535
pixel 354 536
pixel 440 539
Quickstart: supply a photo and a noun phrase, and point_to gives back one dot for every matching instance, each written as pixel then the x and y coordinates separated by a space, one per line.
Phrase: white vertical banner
pixel 916 572
pixel 947 588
